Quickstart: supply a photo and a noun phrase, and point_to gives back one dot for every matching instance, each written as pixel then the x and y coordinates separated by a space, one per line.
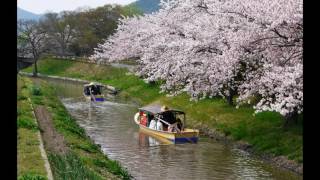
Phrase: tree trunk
pixel 230 97
pixel 62 51
pixel 35 69
pixel 63 47
pixel 291 118
pixel 230 100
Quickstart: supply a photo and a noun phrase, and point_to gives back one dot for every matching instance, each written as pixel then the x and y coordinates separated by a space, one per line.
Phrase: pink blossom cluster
pixel 218 48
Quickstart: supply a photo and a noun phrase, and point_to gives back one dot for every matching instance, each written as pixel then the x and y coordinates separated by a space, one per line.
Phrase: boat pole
pixel 92 96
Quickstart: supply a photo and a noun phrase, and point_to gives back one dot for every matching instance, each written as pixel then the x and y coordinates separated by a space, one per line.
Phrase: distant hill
pixel 24 14
pixel 147 6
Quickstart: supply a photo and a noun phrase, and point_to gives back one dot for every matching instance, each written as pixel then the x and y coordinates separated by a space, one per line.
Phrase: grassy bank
pixel 84 159
pixel 263 130
pixel 30 163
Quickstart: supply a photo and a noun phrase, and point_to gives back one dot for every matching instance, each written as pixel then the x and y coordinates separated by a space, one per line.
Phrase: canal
pixel 110 124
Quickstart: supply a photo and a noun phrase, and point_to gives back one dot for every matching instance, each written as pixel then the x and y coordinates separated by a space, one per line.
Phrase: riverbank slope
pixel 262 133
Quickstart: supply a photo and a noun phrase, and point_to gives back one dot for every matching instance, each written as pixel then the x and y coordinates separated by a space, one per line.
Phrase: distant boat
pixel 146 114
pixel 93 92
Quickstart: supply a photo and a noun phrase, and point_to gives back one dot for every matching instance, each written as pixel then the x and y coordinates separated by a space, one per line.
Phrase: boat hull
pixel 188 135
pixel 97 98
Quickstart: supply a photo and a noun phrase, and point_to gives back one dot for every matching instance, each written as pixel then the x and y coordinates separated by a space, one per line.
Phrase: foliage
pixel 60 29
pixel 78 32
pixel 218 48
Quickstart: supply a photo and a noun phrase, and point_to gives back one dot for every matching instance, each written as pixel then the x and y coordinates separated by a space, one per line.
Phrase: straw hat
pixel 164 108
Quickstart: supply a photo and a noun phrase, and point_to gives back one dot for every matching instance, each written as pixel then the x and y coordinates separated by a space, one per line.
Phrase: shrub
pixel 21 97
pixel 35 90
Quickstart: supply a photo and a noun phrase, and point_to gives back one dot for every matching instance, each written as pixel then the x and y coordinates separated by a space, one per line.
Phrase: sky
pixel 43 6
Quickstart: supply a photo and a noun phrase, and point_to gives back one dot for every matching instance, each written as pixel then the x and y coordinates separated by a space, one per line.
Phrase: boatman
pixel 95 89
pixel 168 117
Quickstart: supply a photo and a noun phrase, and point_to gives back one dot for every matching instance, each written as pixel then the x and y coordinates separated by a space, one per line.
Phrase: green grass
pixel 52 67
pixel 263 130
pixel 31 176
pixel 69 166
pixel 27 122
pixel 30 163
pixel 79 163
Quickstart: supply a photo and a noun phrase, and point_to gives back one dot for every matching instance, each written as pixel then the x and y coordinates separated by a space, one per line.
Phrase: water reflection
pixel 145 140
pixel 111 125
pixel 148 140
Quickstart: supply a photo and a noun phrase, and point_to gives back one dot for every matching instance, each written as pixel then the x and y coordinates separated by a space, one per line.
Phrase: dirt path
pixel 53 141
pixel 41 147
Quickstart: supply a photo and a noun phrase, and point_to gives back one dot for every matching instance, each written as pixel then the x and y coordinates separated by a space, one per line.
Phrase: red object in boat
pixel 143 120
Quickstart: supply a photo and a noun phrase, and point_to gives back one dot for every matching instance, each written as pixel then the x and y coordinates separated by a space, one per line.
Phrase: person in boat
pixel 159 126
pixel 156 125
pixel 93 89
pixel 86 91
pixel 169 117
pixel 179 124
pixel 149 118
pixel 153 124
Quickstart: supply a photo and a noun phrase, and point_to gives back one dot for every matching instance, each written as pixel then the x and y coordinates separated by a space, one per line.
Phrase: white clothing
pixel 153 124
pixel 159 126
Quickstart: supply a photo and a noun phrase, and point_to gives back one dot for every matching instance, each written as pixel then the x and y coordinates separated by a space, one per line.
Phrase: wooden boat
pixel 92 92
pixel 144 116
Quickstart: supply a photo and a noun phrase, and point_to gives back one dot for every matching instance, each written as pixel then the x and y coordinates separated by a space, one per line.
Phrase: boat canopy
pixel 156 109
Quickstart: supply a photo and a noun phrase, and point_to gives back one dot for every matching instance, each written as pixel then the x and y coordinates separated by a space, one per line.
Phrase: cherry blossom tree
pixel 279 81
pixel 218 48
